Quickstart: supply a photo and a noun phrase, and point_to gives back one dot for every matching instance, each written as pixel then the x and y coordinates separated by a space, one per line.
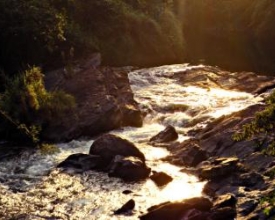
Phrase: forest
pixel 41 35
pixel 233 34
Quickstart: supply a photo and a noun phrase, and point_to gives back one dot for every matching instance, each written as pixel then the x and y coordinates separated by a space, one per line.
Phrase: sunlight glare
pixel 181 189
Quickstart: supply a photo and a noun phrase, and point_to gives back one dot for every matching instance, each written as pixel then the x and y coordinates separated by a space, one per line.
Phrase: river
pixel 32 188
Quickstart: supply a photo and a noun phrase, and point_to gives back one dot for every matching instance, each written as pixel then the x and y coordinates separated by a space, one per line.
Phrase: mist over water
pixel 32 185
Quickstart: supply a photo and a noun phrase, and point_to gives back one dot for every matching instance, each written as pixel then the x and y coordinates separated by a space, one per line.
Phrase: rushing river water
pixel 33 189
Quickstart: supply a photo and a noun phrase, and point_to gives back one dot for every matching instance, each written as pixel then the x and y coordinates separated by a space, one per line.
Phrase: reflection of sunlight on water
pixel 154 153
pixel 180 189
pixel 183 186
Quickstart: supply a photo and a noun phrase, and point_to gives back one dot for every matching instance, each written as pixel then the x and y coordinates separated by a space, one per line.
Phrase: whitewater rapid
pixel 31 186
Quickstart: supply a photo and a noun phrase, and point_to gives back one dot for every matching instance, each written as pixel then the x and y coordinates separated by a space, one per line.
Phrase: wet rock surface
pixel 177 210
pixel 161 178
pixel 108 146
pixel 167 135
pixel 126 208
pixel 188 153
pixel 129 169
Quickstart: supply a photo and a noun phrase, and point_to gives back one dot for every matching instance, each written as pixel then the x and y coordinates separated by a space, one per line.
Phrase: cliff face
pixel 104 101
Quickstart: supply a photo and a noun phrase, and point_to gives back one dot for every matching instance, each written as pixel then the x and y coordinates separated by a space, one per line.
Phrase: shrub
pixel 261 129
pixel 27 106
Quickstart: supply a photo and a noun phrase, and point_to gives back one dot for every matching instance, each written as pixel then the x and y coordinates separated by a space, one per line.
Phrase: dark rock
pixel 220 167
pixel 161 178
pixel 192 155
pixel 108 146
pixel 167 135
pixel 132 116
pixel 127 207
pixel 127 191
pixel 227 200
pixel 173 211
pixel 157 206
pixel 225 213
pixel 253 216
pixel 199 203
pixel 258 161
pixel 246 206
pixel 82 162
pixel 194 214
pixel 250 180
pixel 129 169
pixel 177 210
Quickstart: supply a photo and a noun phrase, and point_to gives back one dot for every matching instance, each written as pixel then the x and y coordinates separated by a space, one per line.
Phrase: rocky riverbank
pixel 239 168
pixel 192 111
pixel 238 173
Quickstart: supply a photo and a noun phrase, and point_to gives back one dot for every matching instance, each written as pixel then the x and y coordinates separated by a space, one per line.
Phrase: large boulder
pixel 129 169
pixel 167 135
pixel 108 146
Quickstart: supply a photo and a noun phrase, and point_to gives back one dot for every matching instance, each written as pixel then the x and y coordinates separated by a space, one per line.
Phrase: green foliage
pixel 126 32
pixel 31 30
pixel 268 203
pixel 27 106
pixel 233 34
pixel 270 173
pixel 129 32
pixel 261 129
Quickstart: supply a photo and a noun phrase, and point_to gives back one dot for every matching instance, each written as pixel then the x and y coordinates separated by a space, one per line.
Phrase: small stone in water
pixel 128 206
pixel 161 178
pixel 127 191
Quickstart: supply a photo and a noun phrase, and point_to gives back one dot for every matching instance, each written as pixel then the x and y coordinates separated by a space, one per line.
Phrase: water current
pixel 32 188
